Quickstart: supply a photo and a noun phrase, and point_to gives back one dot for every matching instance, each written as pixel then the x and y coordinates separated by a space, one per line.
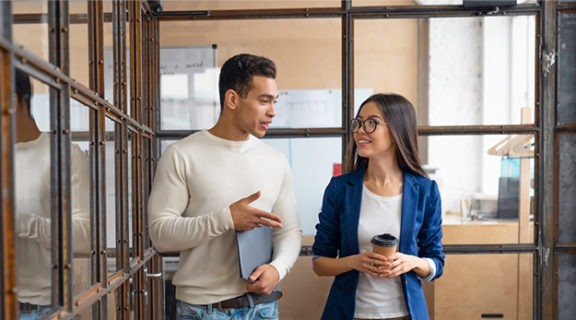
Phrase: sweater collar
pixel 232 145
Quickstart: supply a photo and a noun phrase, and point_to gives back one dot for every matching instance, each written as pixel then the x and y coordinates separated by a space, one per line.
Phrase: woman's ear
pixel 231 99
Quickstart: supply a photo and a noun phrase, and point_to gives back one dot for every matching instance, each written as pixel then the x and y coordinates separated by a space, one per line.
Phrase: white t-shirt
pixel 378 297
pixel 196 181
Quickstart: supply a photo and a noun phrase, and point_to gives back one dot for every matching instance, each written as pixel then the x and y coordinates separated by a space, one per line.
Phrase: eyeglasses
pixel 368 125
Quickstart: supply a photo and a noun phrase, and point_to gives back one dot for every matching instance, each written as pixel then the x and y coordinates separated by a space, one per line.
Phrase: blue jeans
pixel 37 314
pixel 262 311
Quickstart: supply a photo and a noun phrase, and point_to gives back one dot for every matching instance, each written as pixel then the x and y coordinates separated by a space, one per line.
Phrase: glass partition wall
pixel 79 245
pixel 115 82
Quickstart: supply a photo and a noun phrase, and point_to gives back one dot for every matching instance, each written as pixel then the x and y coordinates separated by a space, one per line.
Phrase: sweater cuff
pixel 224 217
pixel 281 271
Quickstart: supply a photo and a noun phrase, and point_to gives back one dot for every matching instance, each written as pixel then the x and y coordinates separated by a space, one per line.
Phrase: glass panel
pixel 367 3
pixel 483 286
pixel 33 195
pixel 113 304
pixel 79 41
pixel 311 174
pixel 566 68
pixel 188 87
pixel 108 31
pixel 566 286
pixel 109 77
pixel 111 202
pixel 486 184
pixel 296 58
pixel 178 5
pixel 129 182
pixel 389 45
pixel 80 190
pixel 432 2
pixel 469 71
pixel 566 199
pixel 147 179
pixel 30 27
pixel 164 144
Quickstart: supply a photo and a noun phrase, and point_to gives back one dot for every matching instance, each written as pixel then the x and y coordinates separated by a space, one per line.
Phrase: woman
pixel 387 191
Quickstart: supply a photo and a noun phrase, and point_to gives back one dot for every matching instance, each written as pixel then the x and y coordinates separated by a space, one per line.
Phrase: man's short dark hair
pixel 23 87
pixel 237 73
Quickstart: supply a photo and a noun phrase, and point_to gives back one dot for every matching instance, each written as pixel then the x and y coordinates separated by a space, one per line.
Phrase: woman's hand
pixel 368 262
pixel 399 263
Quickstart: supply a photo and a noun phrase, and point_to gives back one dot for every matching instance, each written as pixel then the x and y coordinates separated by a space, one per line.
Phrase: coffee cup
pixel 384 244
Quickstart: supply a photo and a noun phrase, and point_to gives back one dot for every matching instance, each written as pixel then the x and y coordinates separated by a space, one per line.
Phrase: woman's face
pixel 378 143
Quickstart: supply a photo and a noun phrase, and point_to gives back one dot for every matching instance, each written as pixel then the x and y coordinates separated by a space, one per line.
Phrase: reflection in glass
pixel 33 174
pixel 80 189
pixel 318 97
pixel 33 197
pixel 486 182
pixel 469 71
pixel 473 286
pixel 311 174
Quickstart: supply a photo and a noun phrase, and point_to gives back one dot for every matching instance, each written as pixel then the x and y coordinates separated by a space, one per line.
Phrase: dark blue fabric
pixel 337 236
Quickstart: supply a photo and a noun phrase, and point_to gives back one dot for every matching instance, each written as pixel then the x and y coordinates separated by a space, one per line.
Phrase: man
pixel 33 206
pixel 224 180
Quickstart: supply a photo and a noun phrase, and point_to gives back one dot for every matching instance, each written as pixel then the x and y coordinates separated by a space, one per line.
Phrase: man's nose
pixel 272 110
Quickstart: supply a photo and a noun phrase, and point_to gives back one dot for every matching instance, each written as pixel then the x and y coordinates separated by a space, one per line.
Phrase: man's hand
pixel 263 280
pixel 247 217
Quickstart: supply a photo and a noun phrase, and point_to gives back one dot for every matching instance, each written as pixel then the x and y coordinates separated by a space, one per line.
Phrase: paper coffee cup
pixel 384 244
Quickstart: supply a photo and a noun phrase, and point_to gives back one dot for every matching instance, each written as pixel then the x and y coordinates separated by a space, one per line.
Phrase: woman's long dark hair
pixel 400 116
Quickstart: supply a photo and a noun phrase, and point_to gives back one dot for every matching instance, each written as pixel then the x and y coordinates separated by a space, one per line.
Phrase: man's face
pixel 254 112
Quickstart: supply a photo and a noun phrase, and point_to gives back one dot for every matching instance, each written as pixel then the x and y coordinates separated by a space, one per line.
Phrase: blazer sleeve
pixel 327 238
pixel 430 235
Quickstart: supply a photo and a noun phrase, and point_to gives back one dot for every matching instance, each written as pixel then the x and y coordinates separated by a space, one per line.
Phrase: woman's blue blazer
pixel 337 236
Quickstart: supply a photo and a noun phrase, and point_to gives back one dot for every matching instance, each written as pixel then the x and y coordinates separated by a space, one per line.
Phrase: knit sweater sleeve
pixel 287 241
pixel 170 231
pixel 37 227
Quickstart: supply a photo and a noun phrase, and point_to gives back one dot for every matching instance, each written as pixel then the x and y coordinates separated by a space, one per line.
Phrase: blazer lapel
pixel 352 203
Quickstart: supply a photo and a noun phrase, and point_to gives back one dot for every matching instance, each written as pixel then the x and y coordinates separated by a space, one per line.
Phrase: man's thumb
pixel 253 197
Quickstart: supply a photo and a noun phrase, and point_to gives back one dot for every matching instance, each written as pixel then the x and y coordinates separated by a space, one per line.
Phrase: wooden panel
pixel 304 292
pixel 473 285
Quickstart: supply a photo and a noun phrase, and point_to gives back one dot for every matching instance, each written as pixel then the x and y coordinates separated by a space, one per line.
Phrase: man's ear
pixel 231 99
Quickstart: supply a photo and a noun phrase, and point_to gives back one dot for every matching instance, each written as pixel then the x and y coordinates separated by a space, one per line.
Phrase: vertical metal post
pixel 8 299
pixel 60 149
pixel 547 295
pixel 98 151
pixel 347 78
